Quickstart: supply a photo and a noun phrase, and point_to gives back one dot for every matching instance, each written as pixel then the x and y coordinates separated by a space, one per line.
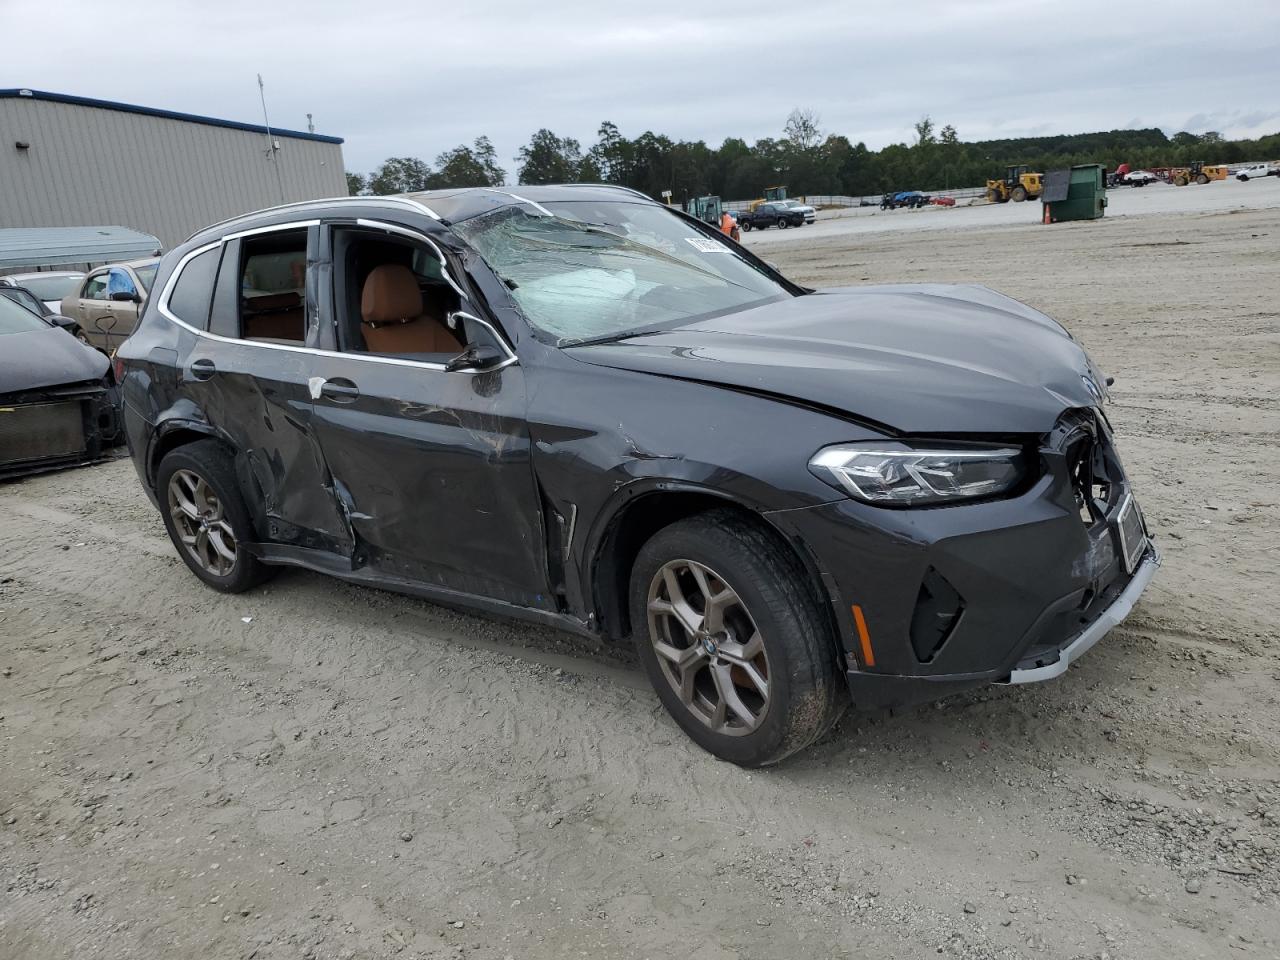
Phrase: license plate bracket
pixel 1131 532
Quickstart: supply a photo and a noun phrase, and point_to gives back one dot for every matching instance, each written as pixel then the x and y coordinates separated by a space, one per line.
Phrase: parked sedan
pixel 57 396
pixel 108 301
pixel 49 285
pixel 582 408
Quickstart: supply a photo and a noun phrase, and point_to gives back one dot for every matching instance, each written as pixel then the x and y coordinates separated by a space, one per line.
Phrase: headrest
pixel 390 295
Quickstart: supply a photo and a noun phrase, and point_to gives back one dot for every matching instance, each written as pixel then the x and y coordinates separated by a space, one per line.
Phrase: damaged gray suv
pixel 580 407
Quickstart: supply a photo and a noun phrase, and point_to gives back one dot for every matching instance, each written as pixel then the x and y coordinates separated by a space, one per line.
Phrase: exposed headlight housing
pixel 894 474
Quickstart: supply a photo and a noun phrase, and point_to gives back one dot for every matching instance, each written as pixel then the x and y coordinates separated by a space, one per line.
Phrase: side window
pixel 95 288
pixel 272 286
pixel 189 301
pixel 391 297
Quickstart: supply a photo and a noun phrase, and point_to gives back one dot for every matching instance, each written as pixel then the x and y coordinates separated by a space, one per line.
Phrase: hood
pixel 917 359
pixel 46 358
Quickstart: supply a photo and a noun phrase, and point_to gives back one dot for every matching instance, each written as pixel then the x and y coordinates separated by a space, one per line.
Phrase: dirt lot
pixel 316 770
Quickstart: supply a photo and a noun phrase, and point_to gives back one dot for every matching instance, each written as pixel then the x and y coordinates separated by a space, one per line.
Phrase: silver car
pixel 108 301
pixel 49 285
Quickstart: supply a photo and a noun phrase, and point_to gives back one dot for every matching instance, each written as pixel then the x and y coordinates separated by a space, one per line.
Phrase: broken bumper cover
pixel 1084 641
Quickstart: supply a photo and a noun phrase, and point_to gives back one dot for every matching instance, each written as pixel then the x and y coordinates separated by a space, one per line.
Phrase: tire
pixel 772 598
pixel 993 196
pixel 219 522
pixel 1019 194
pixel 1201 178
pixel 782 223
pixel 746 225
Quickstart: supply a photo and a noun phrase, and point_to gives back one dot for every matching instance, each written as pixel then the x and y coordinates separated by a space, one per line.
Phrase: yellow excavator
pixel 1018 185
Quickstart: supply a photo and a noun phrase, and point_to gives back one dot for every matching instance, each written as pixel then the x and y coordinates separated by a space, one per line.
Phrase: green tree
pixel 400 175
pixel 356 182
pixel 474 166
pixel 547 158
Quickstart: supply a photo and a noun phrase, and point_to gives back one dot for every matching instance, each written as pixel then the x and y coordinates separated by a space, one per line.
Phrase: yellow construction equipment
pixel 1018 185
pixel 1198 172
pixel 770 194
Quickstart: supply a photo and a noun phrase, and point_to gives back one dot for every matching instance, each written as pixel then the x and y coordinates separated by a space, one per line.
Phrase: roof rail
pixel 611 186
pixel 368 201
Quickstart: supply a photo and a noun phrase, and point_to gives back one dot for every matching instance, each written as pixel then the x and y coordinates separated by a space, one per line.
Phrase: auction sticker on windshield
pixel 707 246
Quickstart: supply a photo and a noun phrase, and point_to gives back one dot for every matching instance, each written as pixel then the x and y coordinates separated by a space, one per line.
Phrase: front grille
pixel 41 431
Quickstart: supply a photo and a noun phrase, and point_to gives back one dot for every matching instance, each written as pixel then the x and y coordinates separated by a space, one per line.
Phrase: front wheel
pixel 734 639
pixel 206 517
pixel 782 224
pixel 746 225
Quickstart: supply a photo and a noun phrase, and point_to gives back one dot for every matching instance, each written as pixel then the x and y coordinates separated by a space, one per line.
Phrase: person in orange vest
pixel 729 227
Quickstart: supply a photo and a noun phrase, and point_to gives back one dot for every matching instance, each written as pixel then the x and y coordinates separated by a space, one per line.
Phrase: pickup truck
pixel 772 214
pixel 1255 170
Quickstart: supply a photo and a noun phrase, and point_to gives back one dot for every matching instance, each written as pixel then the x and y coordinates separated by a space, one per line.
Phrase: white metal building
pixel 70 161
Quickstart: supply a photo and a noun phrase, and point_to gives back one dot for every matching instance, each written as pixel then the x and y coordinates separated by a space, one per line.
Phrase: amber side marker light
pixel 868 655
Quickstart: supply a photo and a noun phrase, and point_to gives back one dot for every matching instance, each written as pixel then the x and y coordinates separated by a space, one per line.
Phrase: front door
pixel 93 310
pixel 433 465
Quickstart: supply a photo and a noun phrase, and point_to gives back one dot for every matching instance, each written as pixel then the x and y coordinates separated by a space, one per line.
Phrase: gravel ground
pixel 1157 198
pixel 314 770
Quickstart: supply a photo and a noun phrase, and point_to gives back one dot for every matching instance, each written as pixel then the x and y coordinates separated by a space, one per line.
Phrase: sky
pixel 418 78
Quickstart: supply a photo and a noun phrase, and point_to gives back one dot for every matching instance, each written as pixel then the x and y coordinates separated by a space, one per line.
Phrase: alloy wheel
pixel 200 523
pixel 708 647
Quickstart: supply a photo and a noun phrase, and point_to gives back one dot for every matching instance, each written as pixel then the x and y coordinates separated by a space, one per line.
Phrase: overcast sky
pixel 416 78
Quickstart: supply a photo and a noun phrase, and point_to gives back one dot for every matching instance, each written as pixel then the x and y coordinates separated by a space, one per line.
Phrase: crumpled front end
pixel 956 596
pixel 54 427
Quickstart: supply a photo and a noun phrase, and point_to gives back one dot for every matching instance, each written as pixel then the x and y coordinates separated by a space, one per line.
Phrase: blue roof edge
pixel 27 92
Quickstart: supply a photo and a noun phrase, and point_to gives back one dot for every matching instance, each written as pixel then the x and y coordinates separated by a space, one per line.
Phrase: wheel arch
pixel 177 433
pixel 616 539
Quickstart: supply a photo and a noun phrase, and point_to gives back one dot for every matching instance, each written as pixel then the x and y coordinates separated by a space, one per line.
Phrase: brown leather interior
pixel 394 318
pixel 276 316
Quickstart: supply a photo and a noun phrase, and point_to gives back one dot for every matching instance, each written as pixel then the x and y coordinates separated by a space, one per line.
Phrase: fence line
pixel 872 200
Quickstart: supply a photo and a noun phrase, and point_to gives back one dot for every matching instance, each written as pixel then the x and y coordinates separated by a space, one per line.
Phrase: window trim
pixel 162 302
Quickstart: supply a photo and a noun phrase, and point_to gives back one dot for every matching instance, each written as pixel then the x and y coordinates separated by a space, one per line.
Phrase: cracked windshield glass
pixel 590 271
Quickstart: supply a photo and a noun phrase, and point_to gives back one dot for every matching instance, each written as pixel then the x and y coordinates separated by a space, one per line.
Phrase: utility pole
pixel 272 151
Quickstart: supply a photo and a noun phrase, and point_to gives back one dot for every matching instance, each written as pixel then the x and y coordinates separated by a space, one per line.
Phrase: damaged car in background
pixel 580 407
pixel 58 397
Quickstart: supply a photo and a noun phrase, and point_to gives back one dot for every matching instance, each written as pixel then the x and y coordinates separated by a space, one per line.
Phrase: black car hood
pixel 919 359
pixel 46 358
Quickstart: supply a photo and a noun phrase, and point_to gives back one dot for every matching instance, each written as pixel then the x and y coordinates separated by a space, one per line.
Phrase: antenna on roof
pixel 272 146
pixel 311 127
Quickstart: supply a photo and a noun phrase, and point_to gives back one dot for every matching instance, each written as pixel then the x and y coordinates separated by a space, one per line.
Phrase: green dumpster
pixel 1077 193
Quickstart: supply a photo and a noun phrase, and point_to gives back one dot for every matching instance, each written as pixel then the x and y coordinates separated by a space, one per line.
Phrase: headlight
pixel 893 474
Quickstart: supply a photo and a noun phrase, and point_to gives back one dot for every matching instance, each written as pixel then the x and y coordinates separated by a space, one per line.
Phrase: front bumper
pixel 1095 631
pixel 1006 591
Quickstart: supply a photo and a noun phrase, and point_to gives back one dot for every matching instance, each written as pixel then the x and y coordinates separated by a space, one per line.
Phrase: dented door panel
pixel 432 471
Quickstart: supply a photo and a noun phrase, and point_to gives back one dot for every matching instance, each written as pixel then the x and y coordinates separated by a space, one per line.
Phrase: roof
pixel 55 246
pixel 154 112
pixel 460 203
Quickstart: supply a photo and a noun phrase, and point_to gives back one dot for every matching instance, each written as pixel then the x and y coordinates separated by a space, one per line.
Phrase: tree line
pixel 807 159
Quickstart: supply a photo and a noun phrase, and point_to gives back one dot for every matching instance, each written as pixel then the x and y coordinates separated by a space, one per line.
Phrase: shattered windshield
pixel 590 270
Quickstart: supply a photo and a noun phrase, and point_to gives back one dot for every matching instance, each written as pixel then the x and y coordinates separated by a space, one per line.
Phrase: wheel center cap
pixel 709 645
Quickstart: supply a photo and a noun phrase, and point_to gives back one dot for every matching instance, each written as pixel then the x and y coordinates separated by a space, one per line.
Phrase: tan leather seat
pixel 393 318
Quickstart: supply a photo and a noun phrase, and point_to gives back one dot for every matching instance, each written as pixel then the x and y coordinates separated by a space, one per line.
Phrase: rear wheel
pixel 1019 194
pixel 733 639
pixel 746 225
pixel 782 223
pixel 206 517
pixel 1202 179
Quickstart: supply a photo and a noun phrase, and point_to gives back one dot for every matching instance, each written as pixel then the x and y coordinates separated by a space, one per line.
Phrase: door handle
pixel 203 369
pixel 339 390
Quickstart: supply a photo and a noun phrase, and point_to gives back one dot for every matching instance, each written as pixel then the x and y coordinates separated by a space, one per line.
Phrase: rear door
pixel 433 465
pixel 246 373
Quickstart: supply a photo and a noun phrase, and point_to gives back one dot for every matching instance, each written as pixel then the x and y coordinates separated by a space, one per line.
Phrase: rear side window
pixel 193 292
pixel 273 287
pixel 95 288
